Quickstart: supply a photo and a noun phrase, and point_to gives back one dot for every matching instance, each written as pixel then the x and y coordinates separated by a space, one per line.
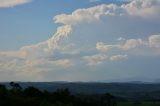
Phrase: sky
pixel 79 40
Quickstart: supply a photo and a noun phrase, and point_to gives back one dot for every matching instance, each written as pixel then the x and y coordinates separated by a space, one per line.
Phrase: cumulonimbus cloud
pixel 141 8
pixel 74 43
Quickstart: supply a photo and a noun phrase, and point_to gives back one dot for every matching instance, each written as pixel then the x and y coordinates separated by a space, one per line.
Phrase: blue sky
pixel 33 22
pixel 79 40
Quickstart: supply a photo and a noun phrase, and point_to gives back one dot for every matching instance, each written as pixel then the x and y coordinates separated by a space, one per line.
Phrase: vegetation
pixel 31 96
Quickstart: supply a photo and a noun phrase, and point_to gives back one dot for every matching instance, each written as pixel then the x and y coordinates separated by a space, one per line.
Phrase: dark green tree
pixel 16 88
pixel 108 100
pixel 32 91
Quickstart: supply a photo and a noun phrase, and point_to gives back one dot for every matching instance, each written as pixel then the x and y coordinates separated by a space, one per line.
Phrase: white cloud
pixel 74 42
pixel 95 59
pixel 154 41
pixel 118 57
pixel 151 43
pixel 34 60
pixel 98 59
pixel 64 63
pixel 86 15
pixel 105 47
pixel 142 8
pixel 61 33
pixel 132 43
pixel 12 3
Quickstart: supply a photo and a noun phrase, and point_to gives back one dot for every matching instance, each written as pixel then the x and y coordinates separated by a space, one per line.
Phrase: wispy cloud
pixel 95 59
pixel 12 3
pixel 130 44
pixel 118 57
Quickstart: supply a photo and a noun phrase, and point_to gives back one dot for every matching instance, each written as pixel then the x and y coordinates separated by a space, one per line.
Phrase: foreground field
pixel 138 104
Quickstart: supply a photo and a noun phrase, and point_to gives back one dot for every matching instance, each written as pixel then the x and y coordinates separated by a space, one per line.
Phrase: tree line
pixel 31 96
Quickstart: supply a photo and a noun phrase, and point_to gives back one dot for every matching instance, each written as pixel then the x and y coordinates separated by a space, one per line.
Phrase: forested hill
pixel 124 92
pixel 93 88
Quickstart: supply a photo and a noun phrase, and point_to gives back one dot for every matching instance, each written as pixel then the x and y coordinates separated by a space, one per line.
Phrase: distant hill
pixel 133 79
pixel 129 90
pixel 93 87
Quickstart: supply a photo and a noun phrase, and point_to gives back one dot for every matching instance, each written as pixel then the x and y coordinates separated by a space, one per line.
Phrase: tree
pixel 32 91
pixel 16 88
pixel 108 100
pixel 3 91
